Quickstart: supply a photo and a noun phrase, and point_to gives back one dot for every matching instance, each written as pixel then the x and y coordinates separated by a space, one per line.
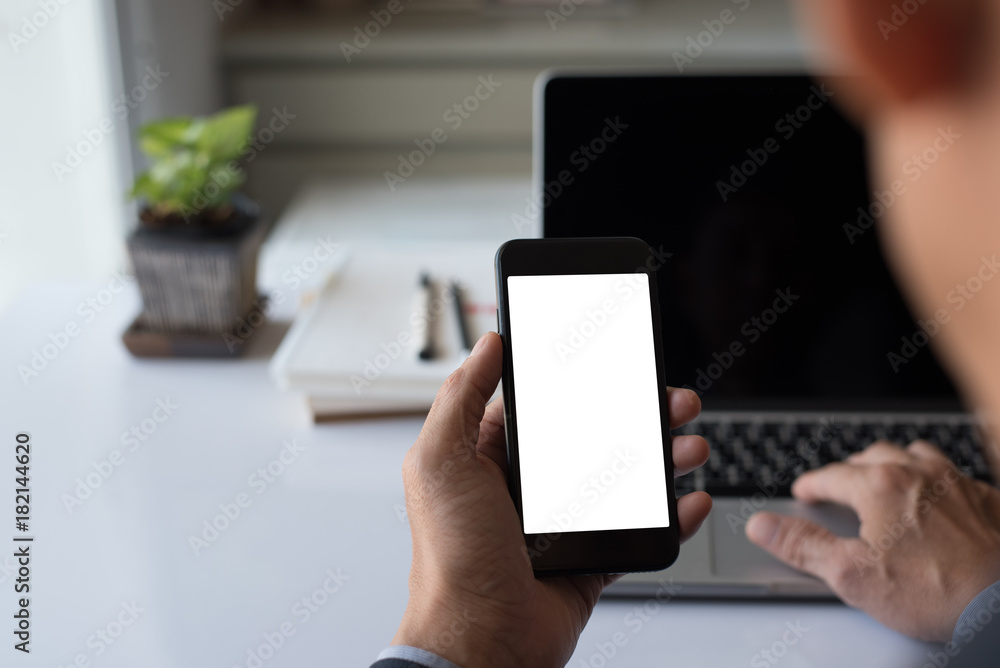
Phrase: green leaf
pixel 143 187
pixel 164 136
pixel 226 133
pixel 193 161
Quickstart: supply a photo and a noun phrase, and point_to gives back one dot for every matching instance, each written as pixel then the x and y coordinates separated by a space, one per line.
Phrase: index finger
pixel 925 450
pixel 809 547
pixel 684 406
pixel 880 452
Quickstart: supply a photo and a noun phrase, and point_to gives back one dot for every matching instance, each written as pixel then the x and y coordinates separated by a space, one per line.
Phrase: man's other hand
pixel 929 539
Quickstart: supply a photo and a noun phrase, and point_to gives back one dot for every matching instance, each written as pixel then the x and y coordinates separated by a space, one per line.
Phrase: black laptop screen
pixel 775 292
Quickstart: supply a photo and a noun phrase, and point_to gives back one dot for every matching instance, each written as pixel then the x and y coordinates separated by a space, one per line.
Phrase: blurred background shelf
pixel 647 33
pixel 359 116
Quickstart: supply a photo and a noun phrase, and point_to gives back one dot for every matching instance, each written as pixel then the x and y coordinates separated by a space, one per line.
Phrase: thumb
pixel 451 430
pixel 809 547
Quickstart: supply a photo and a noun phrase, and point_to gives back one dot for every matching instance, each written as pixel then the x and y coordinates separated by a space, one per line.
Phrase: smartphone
pixel 590 466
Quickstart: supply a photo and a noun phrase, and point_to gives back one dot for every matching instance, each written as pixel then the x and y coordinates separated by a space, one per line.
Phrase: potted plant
pixel 195 248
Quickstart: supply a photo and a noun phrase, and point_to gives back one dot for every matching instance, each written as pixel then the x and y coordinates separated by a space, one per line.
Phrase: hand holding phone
pixel 586 412
pixel 474 598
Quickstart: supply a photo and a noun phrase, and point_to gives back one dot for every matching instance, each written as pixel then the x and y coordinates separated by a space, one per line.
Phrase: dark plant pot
pixel 198 280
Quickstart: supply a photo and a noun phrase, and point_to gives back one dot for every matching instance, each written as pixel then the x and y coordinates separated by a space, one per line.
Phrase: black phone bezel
pixel 586 552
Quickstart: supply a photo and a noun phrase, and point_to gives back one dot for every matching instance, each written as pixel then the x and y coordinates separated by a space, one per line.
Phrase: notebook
pixel 354 350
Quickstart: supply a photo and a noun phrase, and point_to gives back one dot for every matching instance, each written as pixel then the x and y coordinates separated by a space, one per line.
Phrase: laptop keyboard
pixel 750 456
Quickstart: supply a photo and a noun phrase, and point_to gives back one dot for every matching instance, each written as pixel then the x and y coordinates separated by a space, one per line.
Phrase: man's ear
pixel 903 50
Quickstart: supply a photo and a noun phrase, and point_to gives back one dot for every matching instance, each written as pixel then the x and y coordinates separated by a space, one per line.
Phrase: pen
pixel 463 324
pixel 428 350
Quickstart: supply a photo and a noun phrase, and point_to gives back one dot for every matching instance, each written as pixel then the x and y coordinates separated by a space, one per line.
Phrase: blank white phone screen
pixel 587 403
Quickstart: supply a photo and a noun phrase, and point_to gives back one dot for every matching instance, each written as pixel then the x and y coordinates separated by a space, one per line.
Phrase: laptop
pixel 777 305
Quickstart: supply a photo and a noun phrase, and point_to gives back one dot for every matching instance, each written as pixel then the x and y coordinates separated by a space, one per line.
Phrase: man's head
pixel 927 70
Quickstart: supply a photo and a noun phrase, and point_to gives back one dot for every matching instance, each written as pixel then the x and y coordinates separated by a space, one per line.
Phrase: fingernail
pixel 761 528
pixel 479 345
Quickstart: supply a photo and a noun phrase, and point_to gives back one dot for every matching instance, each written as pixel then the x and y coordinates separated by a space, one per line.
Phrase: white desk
pixel 334 508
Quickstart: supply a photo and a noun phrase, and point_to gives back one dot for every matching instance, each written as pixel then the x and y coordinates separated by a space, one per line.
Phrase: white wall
pixel 59 92
pixel 61 82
